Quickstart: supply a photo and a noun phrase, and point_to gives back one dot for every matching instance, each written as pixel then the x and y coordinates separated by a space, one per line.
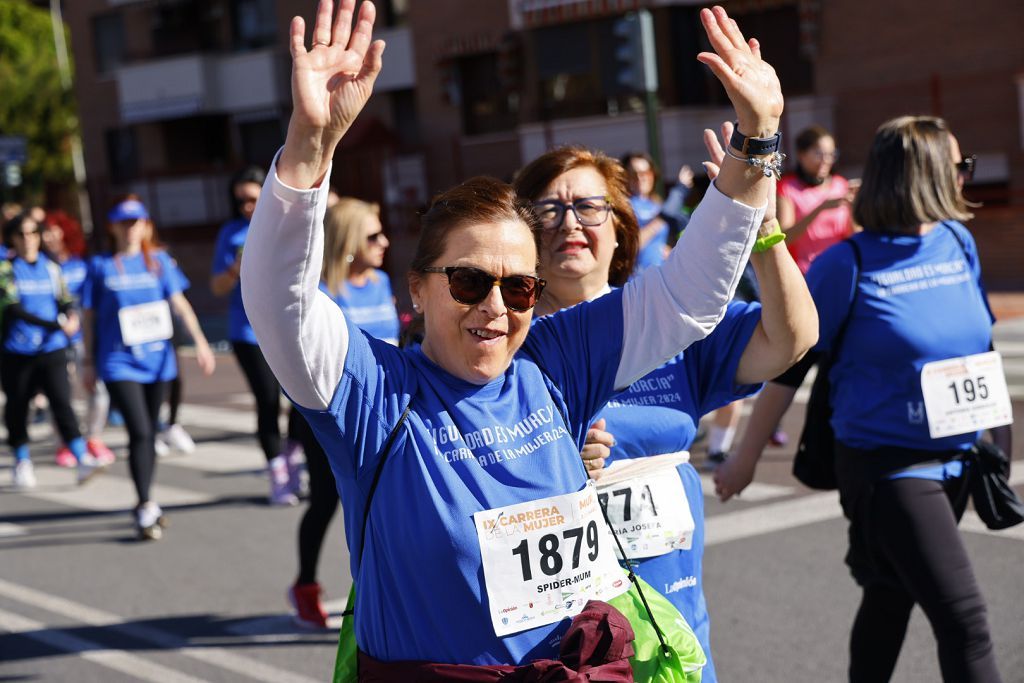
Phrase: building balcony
pixel 202 84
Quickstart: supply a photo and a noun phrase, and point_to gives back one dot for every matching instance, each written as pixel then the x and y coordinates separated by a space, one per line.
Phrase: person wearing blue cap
pixel 37 327
pixel 127 303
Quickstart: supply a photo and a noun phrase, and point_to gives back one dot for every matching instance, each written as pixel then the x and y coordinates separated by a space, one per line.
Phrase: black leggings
pixel 140 406
pixel 323 498
pixel 265 388
pixel 919 558
pixel 21 376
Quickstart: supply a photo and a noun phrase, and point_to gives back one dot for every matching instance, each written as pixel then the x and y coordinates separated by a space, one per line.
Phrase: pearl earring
pixel 416 307
pixel 350 258
pixel 616 245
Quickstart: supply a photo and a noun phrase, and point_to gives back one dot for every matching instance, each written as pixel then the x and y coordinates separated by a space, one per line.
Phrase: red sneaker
pixel 65 458
pixel 310 612
pixel 104 456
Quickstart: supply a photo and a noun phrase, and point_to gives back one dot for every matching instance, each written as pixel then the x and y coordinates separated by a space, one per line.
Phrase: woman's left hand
pixel 716 152
pixel 596 449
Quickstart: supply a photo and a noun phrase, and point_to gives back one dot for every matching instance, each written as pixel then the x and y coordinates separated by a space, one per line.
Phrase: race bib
pixel 145 323
pixel 544 560
pixel 963 395
pixel 647 505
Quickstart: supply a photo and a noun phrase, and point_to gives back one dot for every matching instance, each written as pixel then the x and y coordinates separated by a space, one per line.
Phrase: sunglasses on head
pixel 470 286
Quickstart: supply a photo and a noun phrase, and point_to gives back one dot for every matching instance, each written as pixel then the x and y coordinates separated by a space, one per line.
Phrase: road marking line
pixel 104 493
pixel 214 656
pixel 765 519
pixel 94 652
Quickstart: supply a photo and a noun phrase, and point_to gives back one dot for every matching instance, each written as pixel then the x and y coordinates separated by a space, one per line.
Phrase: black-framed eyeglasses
pixel 590 211
pixel 470 286
pixel 966 167
pixel 28 233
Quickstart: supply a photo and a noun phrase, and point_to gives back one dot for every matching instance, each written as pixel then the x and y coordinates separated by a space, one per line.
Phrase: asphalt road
pixel 81 600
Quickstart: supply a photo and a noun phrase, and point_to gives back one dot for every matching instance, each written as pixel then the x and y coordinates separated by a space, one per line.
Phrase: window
pixel 255 25
pixel 403 111
pixel 108 41
pixel 182 26
pixel 122 154
pixel 486 108
pixel 198 142
pixel 393 12
pixel 260 141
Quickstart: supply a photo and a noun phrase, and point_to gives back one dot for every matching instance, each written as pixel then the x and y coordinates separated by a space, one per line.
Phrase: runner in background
pixel 127 301
pixel 64 244
pixel 284 460
pixel 660 222
pixel 354 247
pixel 913 297
pixel 38 323
pixel 588 243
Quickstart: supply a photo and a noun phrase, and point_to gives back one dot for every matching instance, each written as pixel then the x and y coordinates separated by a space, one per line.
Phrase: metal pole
pixel 77 159
pixel 653 137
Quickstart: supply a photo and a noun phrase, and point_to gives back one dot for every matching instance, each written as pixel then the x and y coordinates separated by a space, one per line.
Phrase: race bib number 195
pixel 966 394
pixel 544 559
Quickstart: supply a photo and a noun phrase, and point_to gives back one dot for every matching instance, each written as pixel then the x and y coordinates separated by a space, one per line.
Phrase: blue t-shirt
pixel 464 448
pixel 115 282
pixel 371 307
pixel 659 414
pixel 919 299
pixel 652 253
pixel 75 271
pixel 39 285
pixel 230 241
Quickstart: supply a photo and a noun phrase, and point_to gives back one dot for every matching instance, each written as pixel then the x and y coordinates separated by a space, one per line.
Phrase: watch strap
pixel 754 146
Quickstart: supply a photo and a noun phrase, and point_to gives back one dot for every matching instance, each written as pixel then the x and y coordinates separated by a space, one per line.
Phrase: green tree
pixel 32 102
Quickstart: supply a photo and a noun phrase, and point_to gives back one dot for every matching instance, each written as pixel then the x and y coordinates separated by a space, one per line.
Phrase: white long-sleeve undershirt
pixel 303 335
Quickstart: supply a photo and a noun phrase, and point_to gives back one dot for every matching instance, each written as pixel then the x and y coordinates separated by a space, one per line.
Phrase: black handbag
pixel 996 503
pixel 814 464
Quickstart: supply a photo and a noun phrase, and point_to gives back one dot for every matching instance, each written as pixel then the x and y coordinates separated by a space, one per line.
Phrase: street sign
pixel 13 149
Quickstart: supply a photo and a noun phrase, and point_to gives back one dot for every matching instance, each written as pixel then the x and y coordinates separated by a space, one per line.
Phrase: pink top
pixel 831 225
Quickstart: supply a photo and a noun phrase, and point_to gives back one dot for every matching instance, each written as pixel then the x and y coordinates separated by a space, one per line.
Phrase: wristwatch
pixel 754 146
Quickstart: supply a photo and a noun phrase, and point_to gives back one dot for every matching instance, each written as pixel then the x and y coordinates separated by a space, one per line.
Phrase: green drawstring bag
pixel 685 659
pixel 345 669
pixel 683 663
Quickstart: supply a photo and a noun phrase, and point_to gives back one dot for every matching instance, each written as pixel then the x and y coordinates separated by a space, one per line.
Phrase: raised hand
pixel 750 82
pixel 331 83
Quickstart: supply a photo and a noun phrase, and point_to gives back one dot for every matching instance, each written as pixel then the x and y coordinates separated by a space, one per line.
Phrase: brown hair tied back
pixel 535 177
pixel 476 201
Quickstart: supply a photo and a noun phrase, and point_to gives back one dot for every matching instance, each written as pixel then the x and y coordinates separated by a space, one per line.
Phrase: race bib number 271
pixel 544 559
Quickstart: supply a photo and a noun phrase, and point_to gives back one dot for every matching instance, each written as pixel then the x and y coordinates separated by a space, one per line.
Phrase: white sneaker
pixel 24 475
pixel 150 522
pixel 280 484
pixel 177 438
pixel 161 447
pixel 87 467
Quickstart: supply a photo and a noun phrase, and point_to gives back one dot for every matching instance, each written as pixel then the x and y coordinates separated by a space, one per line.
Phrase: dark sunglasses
pixel 375 237
pixel 966 167
pixel 26 233
pixel 590 211
pixel 470 286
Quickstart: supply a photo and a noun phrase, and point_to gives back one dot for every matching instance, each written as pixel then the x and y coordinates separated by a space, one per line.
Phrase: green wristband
pixel 769 235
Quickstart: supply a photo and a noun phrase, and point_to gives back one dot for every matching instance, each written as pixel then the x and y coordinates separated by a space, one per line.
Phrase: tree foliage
pixel 33 103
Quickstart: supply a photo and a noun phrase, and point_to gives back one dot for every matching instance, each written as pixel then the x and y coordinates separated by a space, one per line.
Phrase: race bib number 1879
pixel 544 559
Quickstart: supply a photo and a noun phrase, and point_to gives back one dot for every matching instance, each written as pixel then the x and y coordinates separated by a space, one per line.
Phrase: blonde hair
pixel 909 178
pixel 344 237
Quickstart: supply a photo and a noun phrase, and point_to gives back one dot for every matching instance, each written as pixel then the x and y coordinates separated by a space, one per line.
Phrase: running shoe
pixel 104 456
pixel 177 438
pixel 88 467
pixel 161 447
pixel 280 485
pixel 779 438
pixel 713 460
pixel 298 477
pixel 24 475
pixel 150 522
pixel 309 611
pixel 65 458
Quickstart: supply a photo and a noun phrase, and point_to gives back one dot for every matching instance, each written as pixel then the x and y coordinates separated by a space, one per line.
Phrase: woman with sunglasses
pixel 484 536
pixel 39 321
pixel 283 458
pixel 127 303
pixel 589 238
pixel 354 246
pixel 903 313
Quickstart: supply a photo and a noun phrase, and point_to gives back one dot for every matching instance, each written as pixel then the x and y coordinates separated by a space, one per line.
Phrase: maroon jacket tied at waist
pixel 597 647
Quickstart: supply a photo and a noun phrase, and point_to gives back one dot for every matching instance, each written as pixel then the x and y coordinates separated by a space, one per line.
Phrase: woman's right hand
pixel 331 83
pixel 732 476
pixel 596 449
